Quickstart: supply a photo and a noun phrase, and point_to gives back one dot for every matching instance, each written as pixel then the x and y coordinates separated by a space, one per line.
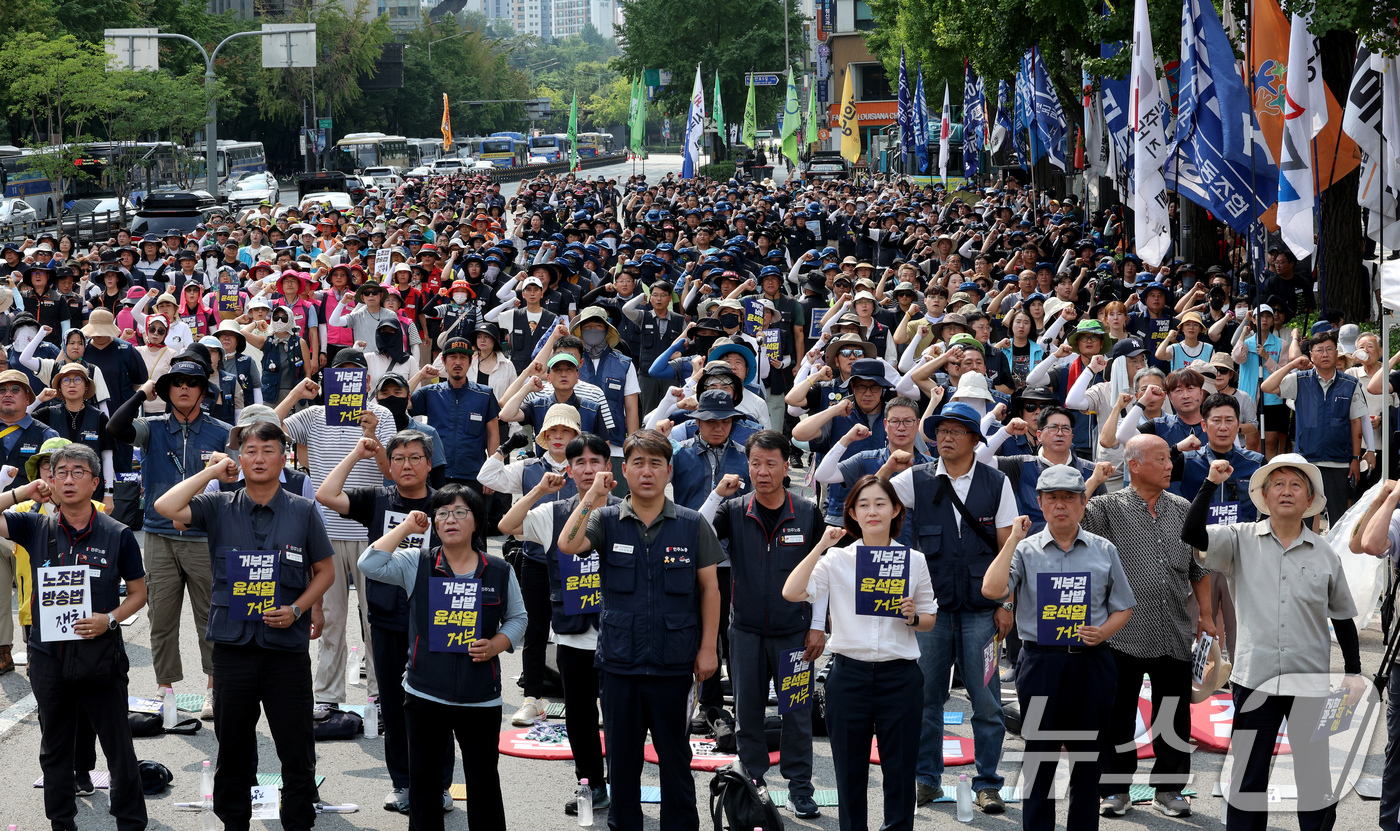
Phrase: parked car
pixel 356 188
pixel 89 219
pixel 254 188
pixel 16 211
pixel 535 158
pixel 826 165
pixel 448 166
pixel 420 172
pixel 181 211
pixel 338 200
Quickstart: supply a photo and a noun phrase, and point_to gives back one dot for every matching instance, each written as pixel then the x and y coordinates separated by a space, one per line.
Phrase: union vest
pixel 523 339
pixel 30 439
pixel 957 558
pixel 692 478
pixel 1024 472
pixel 534 471
pixel 564 624
pixel 56 417
pixel 454 676
pixel 99 550
pixel 175 451
pixel 650 624
pixel 459 416
pixel 1196 465
pixel 611 377
pixel 760 565
pixel 1324 418
pixel 279 356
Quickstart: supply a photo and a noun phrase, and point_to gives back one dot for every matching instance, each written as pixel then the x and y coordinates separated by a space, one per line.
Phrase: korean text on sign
pixel 228 298
pixel 63 599
pixel 753 316
pixel 345 395
pixel 773 344
pixel 882 577
pixel 1335 717
pixel 252 583
pixel 454 605
pixel 578 576
pixel 794 681
pixel 1064 607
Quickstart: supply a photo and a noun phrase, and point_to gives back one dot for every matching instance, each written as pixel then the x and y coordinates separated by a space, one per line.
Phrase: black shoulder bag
pixel 945 487
pixel 87 659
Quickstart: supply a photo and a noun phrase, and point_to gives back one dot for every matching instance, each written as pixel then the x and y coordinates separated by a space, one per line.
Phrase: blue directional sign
pixel 767 79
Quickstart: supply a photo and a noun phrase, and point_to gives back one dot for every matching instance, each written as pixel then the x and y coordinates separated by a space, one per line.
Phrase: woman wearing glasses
pixel 875 689
pixel 453 681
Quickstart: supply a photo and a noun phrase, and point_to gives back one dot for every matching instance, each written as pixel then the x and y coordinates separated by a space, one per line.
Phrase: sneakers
pixel 1115 806
pixel 924 794
pixel 600 800
pixel 322 710
pixel 397 800
pixel 805 807
pixel 447 802
pixel 531 709
pixel 206 713
pixel 1172 803
pixel 990 801
pixel 82 784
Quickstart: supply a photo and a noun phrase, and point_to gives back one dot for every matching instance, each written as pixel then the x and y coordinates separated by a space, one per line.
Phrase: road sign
pixel 288 45
pixel 323 123
pixel 131 48
pixel 763 79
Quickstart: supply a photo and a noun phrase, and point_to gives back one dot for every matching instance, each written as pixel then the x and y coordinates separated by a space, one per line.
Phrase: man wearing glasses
pixel 1054 428
pixel 962 512
pixel 20 435
pixel 410 464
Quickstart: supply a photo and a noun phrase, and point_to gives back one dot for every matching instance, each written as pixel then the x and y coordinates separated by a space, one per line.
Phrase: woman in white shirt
pixel 875 671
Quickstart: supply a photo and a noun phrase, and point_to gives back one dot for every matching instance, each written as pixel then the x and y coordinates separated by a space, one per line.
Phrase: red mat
pixel 703 755
pixel 513 743
pixel 1212 720
pixel 956 751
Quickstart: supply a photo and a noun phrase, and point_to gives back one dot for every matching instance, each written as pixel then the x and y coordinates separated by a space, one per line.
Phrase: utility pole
pixel 787 56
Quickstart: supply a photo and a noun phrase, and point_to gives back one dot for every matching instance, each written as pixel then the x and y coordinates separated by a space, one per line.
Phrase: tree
pixel 53 82
pixel 348 49
pixel 733 36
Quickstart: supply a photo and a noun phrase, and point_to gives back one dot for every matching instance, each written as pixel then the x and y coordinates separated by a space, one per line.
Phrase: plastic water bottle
pixel 167 709
pixel 585 804
pixel 371 719
pixel 208 821
pixel 964 799
pixel 354 672
pixel 206 778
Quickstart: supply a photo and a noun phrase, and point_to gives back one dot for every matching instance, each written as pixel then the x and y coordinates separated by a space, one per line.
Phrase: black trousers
pixel 478 731
pixel 1257 720
pixel 390 659
pixel 1171 690
pixel 711 693
pixel 632 706
pixel 1062 691
pixel 864 701
pixel 580 679
pixel 84 737
pixel 251 681
pixel 1336 486
pixel 534 590
pixel 101 706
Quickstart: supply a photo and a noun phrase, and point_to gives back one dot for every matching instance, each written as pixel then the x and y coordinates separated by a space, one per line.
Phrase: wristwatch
pixel 916 620
pixel 296 612
pixel 112 621
pixel 1009 606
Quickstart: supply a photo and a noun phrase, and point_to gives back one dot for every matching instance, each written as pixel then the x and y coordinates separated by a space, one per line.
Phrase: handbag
pixel 90 659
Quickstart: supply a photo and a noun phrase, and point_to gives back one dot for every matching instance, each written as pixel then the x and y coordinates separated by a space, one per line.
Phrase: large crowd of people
pixel 687 414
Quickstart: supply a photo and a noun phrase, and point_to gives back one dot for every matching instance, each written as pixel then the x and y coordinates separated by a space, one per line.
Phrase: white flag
pixel 1304 116
pixel 945 136
pixel 1362 121
pixel 1152 230
pixel 694 130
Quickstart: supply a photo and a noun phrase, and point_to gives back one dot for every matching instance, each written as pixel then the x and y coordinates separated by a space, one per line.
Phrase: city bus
pixel 236 159
pixel 502 151
pixel 554 148
pixel 422 152
pixel 594 144
pixel 356 151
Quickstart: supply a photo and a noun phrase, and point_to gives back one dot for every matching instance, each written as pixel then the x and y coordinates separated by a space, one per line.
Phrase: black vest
pixel 957 557
pixel 561 623
pixel 30 440
pixel 454 676
pixel 56 416
pixel 387 604
pixel 522 340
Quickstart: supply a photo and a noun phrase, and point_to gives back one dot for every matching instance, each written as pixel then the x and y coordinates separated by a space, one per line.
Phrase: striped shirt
pixel 326 447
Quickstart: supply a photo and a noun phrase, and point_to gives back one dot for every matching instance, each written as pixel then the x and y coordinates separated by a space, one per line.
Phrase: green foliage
pixel 348 50
pixel 722 171
pixel 733 36
pixel 52 83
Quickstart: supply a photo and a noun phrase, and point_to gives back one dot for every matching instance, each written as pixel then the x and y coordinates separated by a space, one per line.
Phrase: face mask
pixel 595 338
pixel 1241 311
pixel 729 321
pixel 459 297
pixel 398 407
pixel 492 271
pixel 24 336
pixel 281 327
pixel 703 343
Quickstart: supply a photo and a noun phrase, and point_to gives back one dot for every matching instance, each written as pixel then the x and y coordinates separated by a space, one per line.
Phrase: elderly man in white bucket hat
pixel 1288 584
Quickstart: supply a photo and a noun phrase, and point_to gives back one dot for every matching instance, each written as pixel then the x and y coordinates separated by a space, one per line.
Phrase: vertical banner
pixel 453 607
pixel 252 583
pixel 794 682
pixel 1064 607
pixel 578 576
pixel 345 395
pixel 228 298
pixel 881 578
pixel 753 316
pixel 63 601
pixel 772 344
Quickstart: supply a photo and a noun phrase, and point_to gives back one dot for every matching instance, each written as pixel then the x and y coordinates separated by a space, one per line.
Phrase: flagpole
pixel 1260 336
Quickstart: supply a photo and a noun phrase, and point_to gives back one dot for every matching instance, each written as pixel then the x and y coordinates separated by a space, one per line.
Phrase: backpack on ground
pixel 736 804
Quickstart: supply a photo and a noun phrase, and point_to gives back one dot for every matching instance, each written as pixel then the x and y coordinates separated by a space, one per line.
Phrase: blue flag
pixel 1050 123
pixel 905 114
pixel 1201 162
pixel 1115 114
pixel 920 121
pixel 1028 149
pixel 1004 127
pixel 974 120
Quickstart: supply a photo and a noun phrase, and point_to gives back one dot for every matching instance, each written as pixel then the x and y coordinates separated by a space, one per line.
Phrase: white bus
pixel 358 151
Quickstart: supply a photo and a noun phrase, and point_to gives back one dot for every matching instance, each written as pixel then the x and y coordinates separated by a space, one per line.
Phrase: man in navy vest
pixel 608 370
pixel 769 532
pixel 1055 429
pixel 1329 411
pixel 261 655
pixel 465 413
pixel 660 625
pixel 174 447
pixel 962 512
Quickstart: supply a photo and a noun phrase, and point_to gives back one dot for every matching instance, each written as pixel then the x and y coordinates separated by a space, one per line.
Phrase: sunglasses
pixel 1030 407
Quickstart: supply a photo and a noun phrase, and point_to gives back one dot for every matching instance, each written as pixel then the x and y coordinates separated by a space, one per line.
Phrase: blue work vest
pixel 1085 424
pixel 1324 419
pixel 99 549
pixel 691 476
pixel 534 471
pixel 650 624
pixel 218 400
pixel 561 623
pixel 1025 472
pixel 56 416
pixel 957 558
pixel 174 452
pixel 867 462
pixel 290 536
pixel 760 565
pixel 454 676
pixel 459 416
pixel 1196 465
pixel 590 413
pixel 611 377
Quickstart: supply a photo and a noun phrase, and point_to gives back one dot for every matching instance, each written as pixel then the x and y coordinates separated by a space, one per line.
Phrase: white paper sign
pixel 381 262
pixel 264 802
pixel 1200 658
pixel 392 520
pixel 63 600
